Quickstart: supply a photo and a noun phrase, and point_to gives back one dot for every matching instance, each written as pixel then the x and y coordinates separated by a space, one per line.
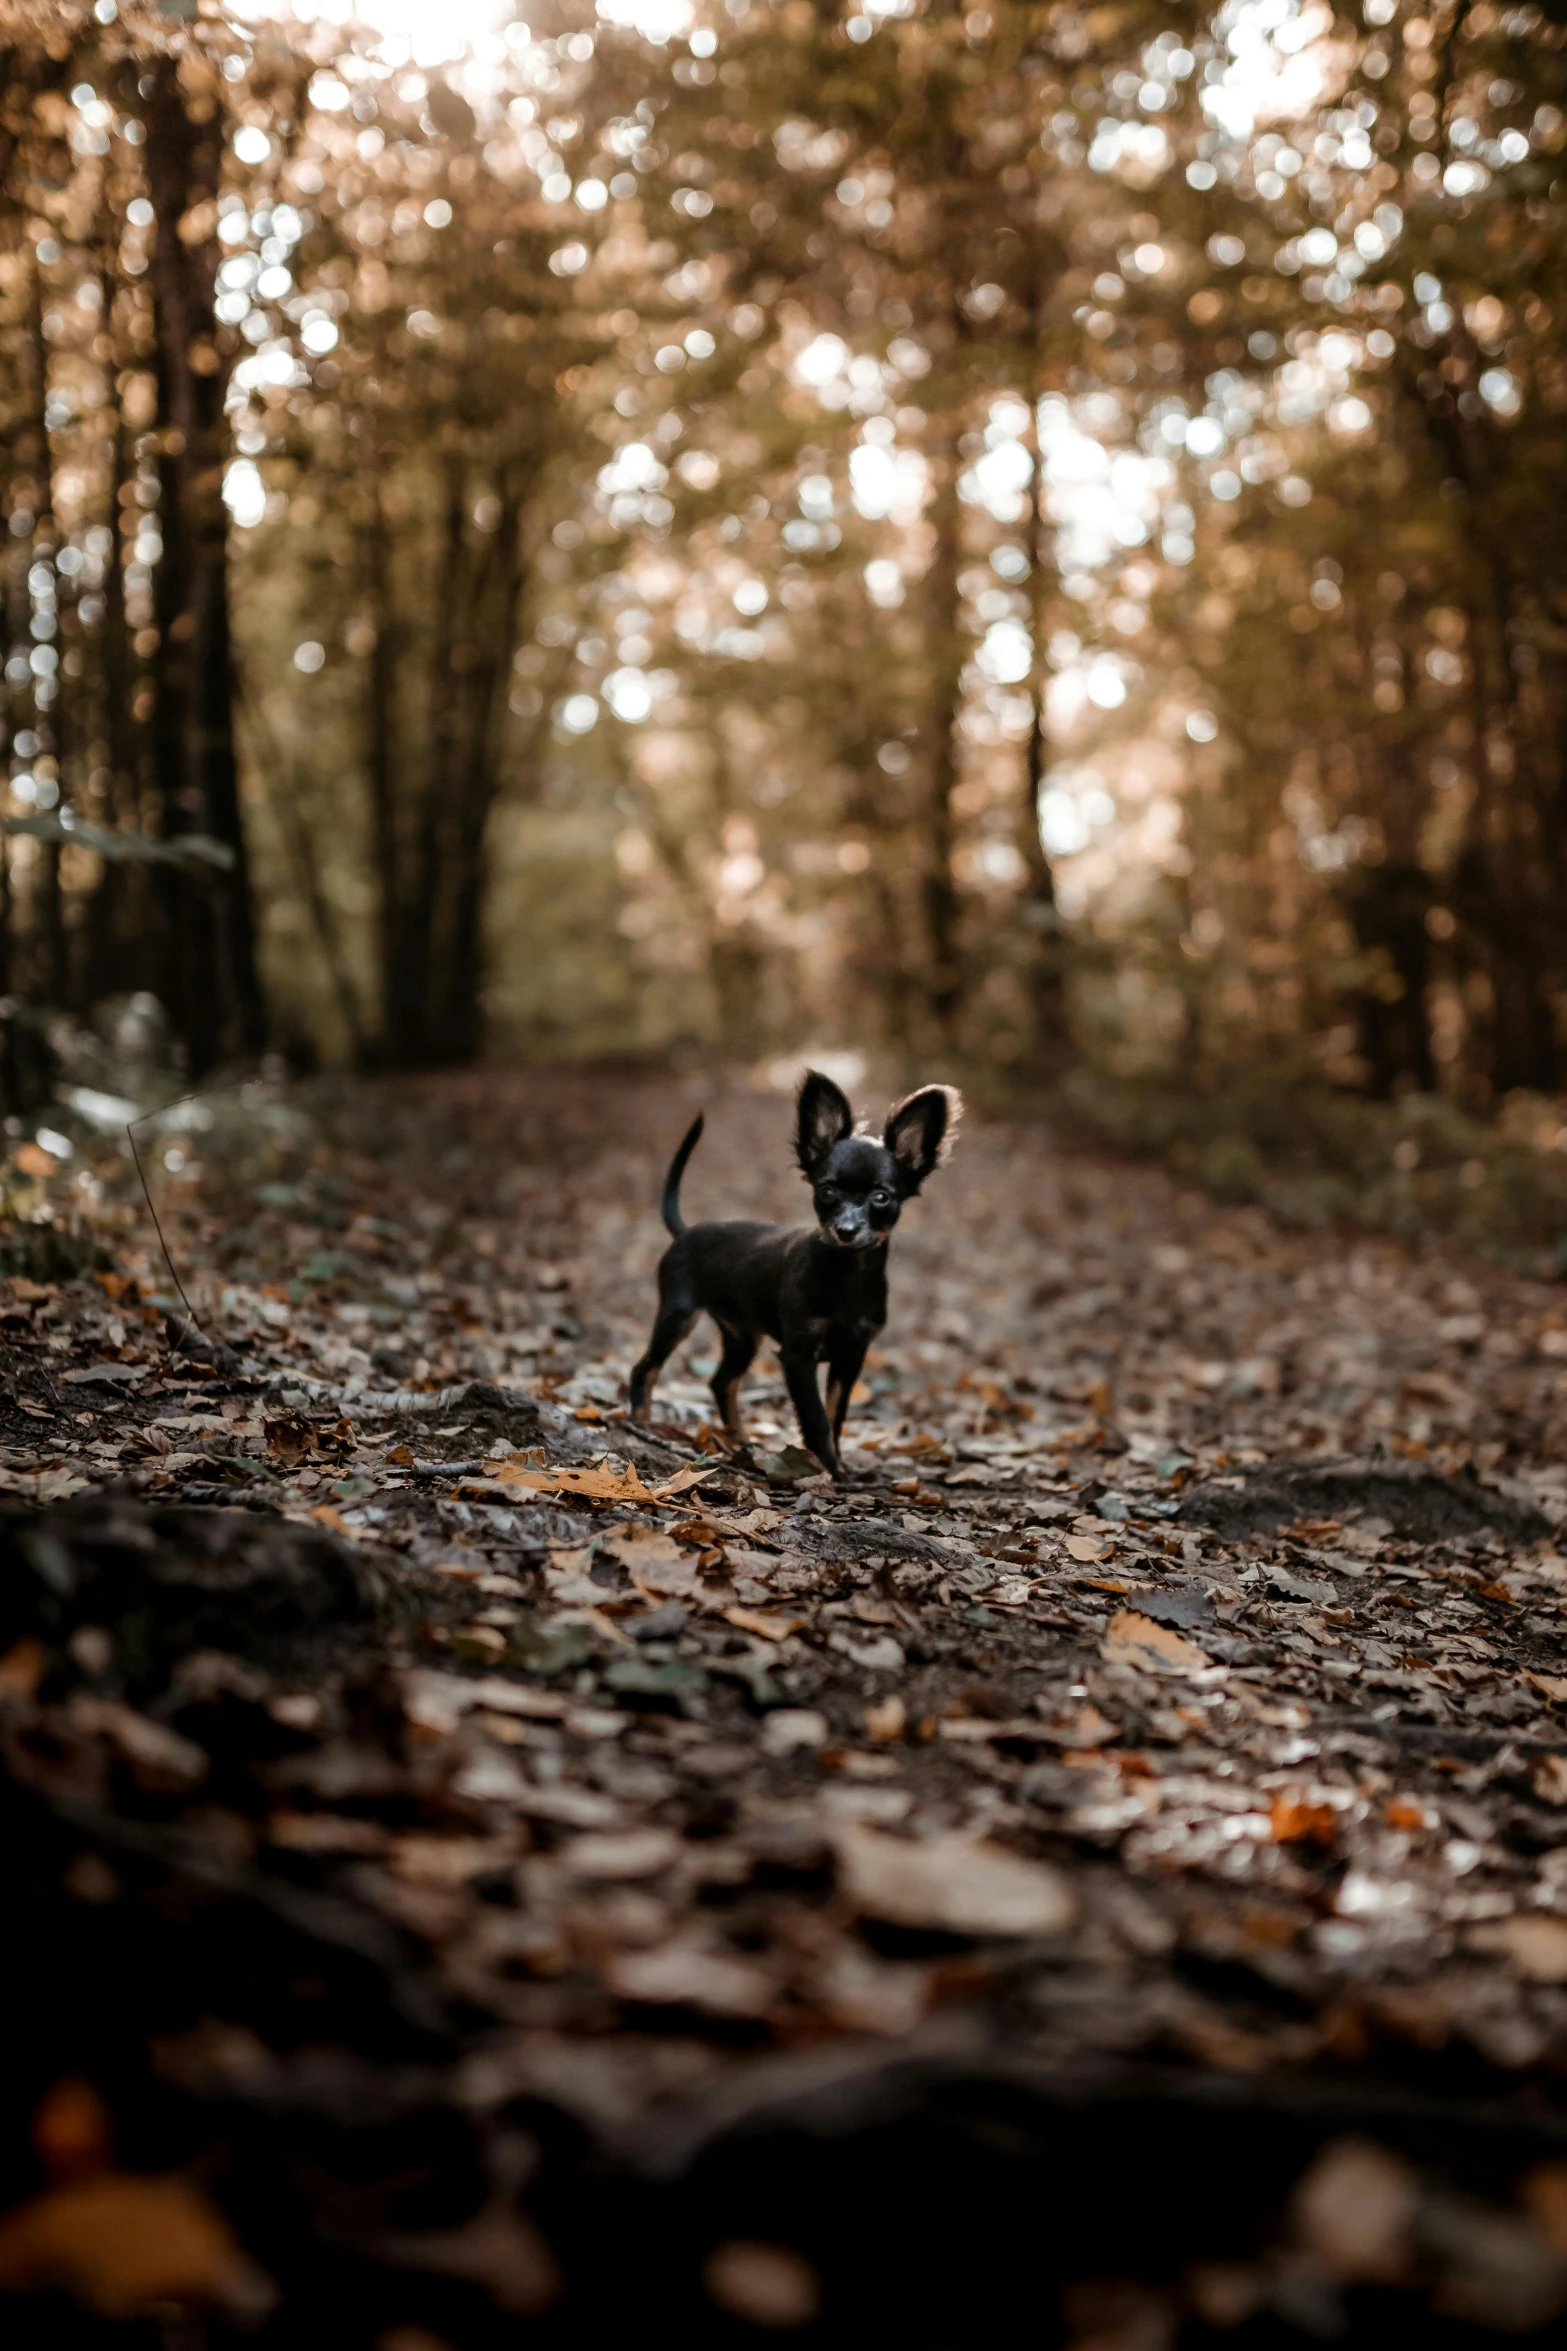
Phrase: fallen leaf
pixel 1087 1727
pixel 427 1860
pixel 1354 2211
pixel 1549 1778
pixel 1134 1639
pixel 762 2285
pixel 126 2245
pixel 596 1483
pixel 500 2249
pixel 789 1727
pixel 326 1832
pixel 887 1720
pixel 1549 1685
pixel 683 1974
pixel 159 1757
pixel 1084 1547
pixel 1296 1822
pixel 49 1485
pixel 22 1668
pixel 1537 1947
pixel 639 1853
pixel 950 1882
pixel 756 1620
pixel 652 1560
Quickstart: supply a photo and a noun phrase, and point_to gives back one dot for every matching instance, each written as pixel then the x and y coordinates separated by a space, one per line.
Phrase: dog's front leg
pixel 799 1370
pixel 845 1362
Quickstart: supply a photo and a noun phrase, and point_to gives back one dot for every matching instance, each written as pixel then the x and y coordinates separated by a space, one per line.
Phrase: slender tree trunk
pixel 35 433
pixel 117 888
pixel 943 988
pixel 286 801
pixel 410 1033
pixel 215 986
pixel 1512 869
pixel 381 769
pixel 479 734
pixel 1044 979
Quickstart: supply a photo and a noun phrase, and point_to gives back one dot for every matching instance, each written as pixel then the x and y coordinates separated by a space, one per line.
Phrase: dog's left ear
pixel 921 1131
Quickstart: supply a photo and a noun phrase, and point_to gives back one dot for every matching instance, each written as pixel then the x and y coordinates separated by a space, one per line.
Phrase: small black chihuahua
pixel 822 1294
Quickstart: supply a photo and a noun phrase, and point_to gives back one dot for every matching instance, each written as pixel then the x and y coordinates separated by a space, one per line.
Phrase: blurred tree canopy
pixel 1013 535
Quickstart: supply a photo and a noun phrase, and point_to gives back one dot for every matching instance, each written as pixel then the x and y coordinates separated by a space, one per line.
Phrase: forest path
pixel 1176 1677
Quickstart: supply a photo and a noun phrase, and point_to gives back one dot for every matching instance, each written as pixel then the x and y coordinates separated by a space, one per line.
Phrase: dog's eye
pixel 880 1199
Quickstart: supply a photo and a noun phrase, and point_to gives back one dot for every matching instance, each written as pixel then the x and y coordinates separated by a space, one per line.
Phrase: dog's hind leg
pixel 674 1323
pixel 735 1362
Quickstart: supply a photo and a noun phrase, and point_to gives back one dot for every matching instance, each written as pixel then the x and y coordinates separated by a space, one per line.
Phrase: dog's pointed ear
pixel 921 1131
pixel 822 1118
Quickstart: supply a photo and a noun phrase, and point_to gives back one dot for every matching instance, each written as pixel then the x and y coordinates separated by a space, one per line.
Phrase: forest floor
pixel 488 1859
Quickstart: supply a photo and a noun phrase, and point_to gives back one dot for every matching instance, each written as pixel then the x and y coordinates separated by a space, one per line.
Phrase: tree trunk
pixel 212 982
pixel 943 988
pixel 381 767
pixel 34 436
pixel 1039 920
pixel 121 886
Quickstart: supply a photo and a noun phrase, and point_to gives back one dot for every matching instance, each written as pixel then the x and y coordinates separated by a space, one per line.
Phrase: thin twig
pixel 191 1322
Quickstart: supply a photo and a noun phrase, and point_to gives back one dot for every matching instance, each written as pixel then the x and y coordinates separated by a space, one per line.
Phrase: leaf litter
pixel 1178 1674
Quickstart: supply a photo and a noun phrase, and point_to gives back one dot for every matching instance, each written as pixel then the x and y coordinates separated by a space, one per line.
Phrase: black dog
pixel 822 1294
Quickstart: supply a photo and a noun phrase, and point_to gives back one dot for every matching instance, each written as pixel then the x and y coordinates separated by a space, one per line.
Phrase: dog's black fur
pixel 823 1294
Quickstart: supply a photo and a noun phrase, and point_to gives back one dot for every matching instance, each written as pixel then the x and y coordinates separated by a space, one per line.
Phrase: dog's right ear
pixel 822 1118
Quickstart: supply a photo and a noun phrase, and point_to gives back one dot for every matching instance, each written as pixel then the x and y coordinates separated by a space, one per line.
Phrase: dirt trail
pixel 1161 1723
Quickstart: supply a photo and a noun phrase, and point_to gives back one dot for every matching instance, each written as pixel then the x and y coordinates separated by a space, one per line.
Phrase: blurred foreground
pixel 482 1861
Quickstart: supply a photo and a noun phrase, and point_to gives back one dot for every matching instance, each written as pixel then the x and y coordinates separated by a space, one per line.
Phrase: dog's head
pixel 859 1184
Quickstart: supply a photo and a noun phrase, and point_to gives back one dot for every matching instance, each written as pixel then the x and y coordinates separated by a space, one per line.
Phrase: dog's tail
pixel 673 1219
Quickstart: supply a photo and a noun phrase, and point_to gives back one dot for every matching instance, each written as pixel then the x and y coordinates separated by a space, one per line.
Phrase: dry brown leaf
pixel 653 1562
pixel 1549 1685
pixel 1549 1778
pixel 1084 1547
pixel 1536 1946
pixel 1296 1822
pixel 125 2245
pixel 634 1853
pixel 326 1832
pixel 1354 2211
pixel 762 1622
pixel 1086 1727
pixel 22 1668
pixel 685 1975
pixel 324 1515
pixel 159 1757
pixel 423 1859
pixel 594 1484
pixel 953 1883
pixel 886 1720
pixel 1134 1639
